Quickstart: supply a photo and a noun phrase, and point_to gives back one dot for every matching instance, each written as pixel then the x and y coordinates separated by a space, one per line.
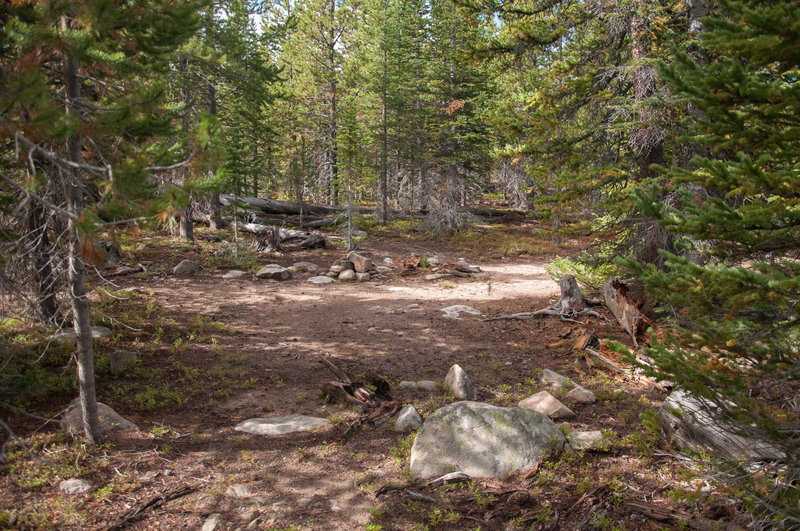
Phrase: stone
pixel 589 440
pixel 459 383
pixel 120 360
pixel 238 490
pixel 383 269
pixel 463 266
pixel 363 277
pixel 482 440
pixel 109 419
pixel 433 261
pixel 361 263
pixel 347 264
pixel 186 267
pixel 304 267
pixel 691 426
pixel 347 274
pixel 434 276
pixel 555 380
pixel 452 312
pixel 75 486
pixel 101 332
pixel 280 425
pixel 321 280
pixel 213 522
pixel 424 385
pixel 547 404
pixel 331 274
pixel 388 261
pixel 234 274
pixel 407 419
pixel 336 269
pixel 580 395
pixel 274 272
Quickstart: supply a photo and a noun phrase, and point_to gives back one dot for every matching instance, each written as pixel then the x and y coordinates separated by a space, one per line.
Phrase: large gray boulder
pixel 109 419
pixel 459 383
pixel 275 272
pixel 689 425
pixel 482 440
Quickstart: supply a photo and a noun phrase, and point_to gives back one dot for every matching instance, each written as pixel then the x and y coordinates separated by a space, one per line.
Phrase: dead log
pixel 606 362
pixel 680 518
pixel 627 311
pixel 288 208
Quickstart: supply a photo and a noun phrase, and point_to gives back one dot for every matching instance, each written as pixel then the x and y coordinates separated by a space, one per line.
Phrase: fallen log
pixel 135 513
pixel 288 208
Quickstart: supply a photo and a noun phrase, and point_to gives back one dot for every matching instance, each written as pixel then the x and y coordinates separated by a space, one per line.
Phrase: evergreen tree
pixel 736 315
pixel 83 104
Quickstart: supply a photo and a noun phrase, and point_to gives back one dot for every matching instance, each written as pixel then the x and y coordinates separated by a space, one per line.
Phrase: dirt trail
pixel 393 327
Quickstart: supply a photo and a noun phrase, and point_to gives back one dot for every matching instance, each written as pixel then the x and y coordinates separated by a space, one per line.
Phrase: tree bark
pixel 77 268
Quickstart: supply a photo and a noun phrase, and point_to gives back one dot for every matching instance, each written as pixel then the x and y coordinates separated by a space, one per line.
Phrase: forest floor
pixel 213 352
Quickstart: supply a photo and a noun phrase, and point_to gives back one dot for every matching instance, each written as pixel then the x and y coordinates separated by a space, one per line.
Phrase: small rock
pixel 321 280
pixel 347 274
pixel 555 380
pixel 434 276
pixel 347 265
pixel 407 419
pixel 101 332
pixel 426 385
pixel 588 440
pixel 462 265
pixel 150 475
pixel 304 267
pixel 255 524
pixel 274 272
pixel 234 274
pixel 433 261
pixel 363 277
pixel 413 306
pixel 452 312
pixel 186 267
pixel 383 269
pixel 303 502
pixel 331 274
pixel 580 395
pixel 120 360
pixel 459 383
pixel 280 425
pixel 336 269
pixel 361 263
pixel 547 404
pixel 212 522
pixel 388 261
pixel 75 486
pixel 238 490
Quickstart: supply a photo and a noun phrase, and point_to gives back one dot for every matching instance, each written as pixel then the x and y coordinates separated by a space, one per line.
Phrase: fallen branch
pixel 606 362
pixel 336 370
pixel 664 514
pixel 156 501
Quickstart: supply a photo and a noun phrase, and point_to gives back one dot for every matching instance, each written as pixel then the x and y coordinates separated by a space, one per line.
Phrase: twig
pixel 155 501
pixel 16 439
pixel 337 371
pixel 42 200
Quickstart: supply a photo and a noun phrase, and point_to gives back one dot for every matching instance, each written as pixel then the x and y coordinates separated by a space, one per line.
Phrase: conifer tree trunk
pixel 185 227
pixel 333 187
pixel 77 268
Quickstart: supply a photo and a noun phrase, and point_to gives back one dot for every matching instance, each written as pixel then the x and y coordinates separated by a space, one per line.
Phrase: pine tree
pixel 83 98
pixel 735 314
